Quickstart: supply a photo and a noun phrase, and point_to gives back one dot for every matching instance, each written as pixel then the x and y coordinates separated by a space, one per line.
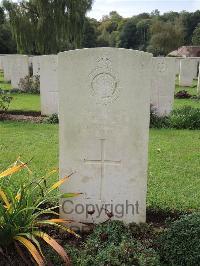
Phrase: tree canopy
pixel 50 26
pixel 47 26
pixel 196 35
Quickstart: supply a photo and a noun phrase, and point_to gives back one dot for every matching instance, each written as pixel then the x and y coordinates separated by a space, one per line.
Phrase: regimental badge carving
pixel 103 82
pixel 161 66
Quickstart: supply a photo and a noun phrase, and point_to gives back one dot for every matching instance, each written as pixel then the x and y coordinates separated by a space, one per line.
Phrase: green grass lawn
pixel 25 102
pixel 174 160
pixel 38 142
pixel 4 85
pixel 178 103
pixel 22 102
pixel 192 90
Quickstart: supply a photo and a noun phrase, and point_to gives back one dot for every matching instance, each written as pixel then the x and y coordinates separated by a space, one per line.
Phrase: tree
pixel 189 22
pixel 2 16
pixel 128 37
pixel 143 32
pixel 155 13
pixel 196 36
pixel 108 30
pixel 170 16
pixel 47 26
pixel 7 44
pixel 90 33
pixel 103 40
pixel 165 37
pixel 142 16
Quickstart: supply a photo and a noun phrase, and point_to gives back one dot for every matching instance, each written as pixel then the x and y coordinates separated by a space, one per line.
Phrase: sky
pixel 128 8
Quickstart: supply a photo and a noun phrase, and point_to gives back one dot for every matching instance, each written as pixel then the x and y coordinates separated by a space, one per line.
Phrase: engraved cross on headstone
pixel 102 162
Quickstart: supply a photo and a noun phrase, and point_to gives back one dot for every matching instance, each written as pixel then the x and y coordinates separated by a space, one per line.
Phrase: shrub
pixel 112 243
pixel 180 243
pixel 23 215
pixel 14 91
pixel 5 100
pixel 53 119
pixel 157 121
pixel 30 84
pixel 196 98
pixel 183 118
pixel 183 95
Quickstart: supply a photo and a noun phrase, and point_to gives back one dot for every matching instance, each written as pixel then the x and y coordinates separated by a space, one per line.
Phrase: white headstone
pixel 178 62
pixel 197 62
pixel 104 131
pixel 7 66
pixel 48 84
pixel 36 65
pixel 188 71
pixel 20 69
pixel 163 84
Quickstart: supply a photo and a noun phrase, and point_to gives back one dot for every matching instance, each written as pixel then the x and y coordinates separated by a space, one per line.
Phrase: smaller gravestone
pixel 48 84
pixel 188 71
pixel 104 115
pixel 8 61
pixel 36 65
pixel 178 62
pixel 20 69
pixel 197 61
pixel 163 85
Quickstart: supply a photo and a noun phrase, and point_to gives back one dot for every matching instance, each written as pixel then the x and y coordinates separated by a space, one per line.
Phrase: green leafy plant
pixel 157 121
pixel 196 98
pixel 30 84
pixel 53 119
pixel 112 243
pixel 23 212
pixel 183 118
pixel 180 243
pixel 5 101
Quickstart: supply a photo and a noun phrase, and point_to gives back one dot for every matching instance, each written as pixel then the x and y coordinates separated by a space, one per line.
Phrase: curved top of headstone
pixel 107 49
pixel 102 68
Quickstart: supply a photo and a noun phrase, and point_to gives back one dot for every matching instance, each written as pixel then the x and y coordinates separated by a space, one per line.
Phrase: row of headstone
pixel 162 85
pixel 164 70
pixel 15 67
pixel 104 100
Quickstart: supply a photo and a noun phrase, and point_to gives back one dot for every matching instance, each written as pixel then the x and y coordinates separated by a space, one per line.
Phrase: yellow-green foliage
pixel 21 213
